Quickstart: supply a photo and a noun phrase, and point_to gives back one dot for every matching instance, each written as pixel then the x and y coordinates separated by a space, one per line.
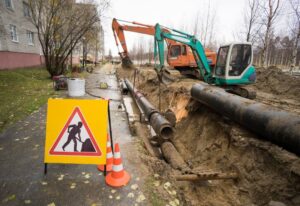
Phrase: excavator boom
pixel 118 31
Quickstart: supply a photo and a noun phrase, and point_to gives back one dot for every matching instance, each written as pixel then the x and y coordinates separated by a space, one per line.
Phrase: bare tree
pixel 150 50
pixel 295 30
pixel 110 57
pixel 61 24
pixel 141 50
pixel 92 41
pixel 133 51
pixel 204 26
pixel 271 11
pixel 251 16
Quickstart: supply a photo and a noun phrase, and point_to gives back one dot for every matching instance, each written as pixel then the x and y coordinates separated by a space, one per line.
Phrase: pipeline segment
pixel 159 123
pixel 124 88
pixel 279 127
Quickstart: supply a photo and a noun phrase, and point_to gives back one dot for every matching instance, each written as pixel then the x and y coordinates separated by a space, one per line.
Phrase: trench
pixel 207 141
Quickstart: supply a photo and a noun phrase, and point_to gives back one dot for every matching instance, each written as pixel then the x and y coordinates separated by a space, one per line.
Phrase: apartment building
pixel 19 44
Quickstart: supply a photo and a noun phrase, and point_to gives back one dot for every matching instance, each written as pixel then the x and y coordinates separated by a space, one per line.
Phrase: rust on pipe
pixel 173 157
pixel 204 176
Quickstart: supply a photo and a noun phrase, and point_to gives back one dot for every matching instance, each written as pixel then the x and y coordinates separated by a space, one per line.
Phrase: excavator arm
pixel 184 38
pixel 118 31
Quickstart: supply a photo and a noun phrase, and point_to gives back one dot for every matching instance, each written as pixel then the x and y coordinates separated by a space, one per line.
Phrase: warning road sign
pixel 76 131
pixel 76 138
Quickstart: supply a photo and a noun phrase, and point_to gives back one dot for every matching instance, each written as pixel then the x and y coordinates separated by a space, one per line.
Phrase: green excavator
pixel 233 70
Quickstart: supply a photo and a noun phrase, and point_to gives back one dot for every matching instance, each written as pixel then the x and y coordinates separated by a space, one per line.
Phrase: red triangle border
pixel 98 151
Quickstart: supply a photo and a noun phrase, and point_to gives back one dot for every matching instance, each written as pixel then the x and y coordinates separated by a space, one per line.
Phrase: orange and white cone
pixel 109 157
pixel 118 177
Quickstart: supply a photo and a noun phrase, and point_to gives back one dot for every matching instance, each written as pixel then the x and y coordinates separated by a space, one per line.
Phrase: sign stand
pixel 45 168
pixel 110 134
pixel 104 172
pixel 110 131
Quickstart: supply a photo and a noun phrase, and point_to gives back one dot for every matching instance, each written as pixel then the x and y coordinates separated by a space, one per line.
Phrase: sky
pixel 175 14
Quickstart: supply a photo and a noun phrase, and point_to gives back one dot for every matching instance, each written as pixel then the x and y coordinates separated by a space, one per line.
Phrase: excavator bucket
pixel 126 62
pixel 170 75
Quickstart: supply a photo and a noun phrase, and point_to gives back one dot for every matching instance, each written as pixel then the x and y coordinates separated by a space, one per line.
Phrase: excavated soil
pixel 278 89
pixel 276 82
pixel 208 141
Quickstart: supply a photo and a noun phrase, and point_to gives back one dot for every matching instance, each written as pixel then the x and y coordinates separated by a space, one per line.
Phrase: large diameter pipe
pixel 279 127
pixel 161 125
pixel 173 157
pixel 158 122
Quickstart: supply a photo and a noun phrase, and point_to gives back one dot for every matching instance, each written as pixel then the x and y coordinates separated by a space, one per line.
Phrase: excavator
pixel 233 70
pixel 179 56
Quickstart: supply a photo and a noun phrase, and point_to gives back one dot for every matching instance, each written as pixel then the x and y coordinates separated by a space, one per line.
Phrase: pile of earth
pixel 273 80
pixel 208 141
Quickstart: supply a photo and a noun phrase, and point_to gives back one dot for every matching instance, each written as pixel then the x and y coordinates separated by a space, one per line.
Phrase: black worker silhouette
pixel 75 129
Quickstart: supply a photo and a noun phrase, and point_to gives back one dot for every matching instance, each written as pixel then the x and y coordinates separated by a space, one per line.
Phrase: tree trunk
pixel 265 53
pixel 295 51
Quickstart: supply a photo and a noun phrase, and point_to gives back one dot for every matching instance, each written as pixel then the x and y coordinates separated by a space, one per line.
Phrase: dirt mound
pixel 208 141
pixel 214 143
pixel 275 81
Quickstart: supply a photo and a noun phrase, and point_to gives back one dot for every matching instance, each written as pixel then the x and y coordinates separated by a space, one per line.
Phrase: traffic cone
pixel 118 177
pixel 109 157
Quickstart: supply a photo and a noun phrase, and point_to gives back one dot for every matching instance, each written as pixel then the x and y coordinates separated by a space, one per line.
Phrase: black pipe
pixel 124 88
pixel 279 127
pixel 159 123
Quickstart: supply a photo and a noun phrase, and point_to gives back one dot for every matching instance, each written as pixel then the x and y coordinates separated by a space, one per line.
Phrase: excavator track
pixel 172 75
pixel 243 91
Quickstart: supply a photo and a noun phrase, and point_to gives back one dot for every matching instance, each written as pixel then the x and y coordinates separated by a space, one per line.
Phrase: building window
pixel 30 38
pixel 13 33
pixel 26 9
pixel 8 4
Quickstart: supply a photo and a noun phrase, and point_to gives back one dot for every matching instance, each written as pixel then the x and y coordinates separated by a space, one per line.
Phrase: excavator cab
pixel 179 56
pixel 234 64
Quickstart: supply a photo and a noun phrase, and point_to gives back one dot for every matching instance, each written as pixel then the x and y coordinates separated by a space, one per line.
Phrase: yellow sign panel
pixel 76 131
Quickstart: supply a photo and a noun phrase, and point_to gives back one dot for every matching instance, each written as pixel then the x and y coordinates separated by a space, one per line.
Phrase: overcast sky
pixel 174 14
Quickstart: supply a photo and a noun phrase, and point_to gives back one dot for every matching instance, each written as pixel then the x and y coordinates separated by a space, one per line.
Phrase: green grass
pixel 22 91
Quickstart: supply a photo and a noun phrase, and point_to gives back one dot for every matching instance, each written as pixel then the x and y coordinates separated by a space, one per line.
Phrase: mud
pixel 207 141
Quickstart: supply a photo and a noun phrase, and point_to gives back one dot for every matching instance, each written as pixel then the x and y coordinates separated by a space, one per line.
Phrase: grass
pixel 22 91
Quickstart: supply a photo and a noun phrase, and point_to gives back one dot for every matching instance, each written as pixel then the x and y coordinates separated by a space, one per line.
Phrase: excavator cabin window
pixel 175 51
pixel 240 59
pixel 221 61
pixel 183 51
